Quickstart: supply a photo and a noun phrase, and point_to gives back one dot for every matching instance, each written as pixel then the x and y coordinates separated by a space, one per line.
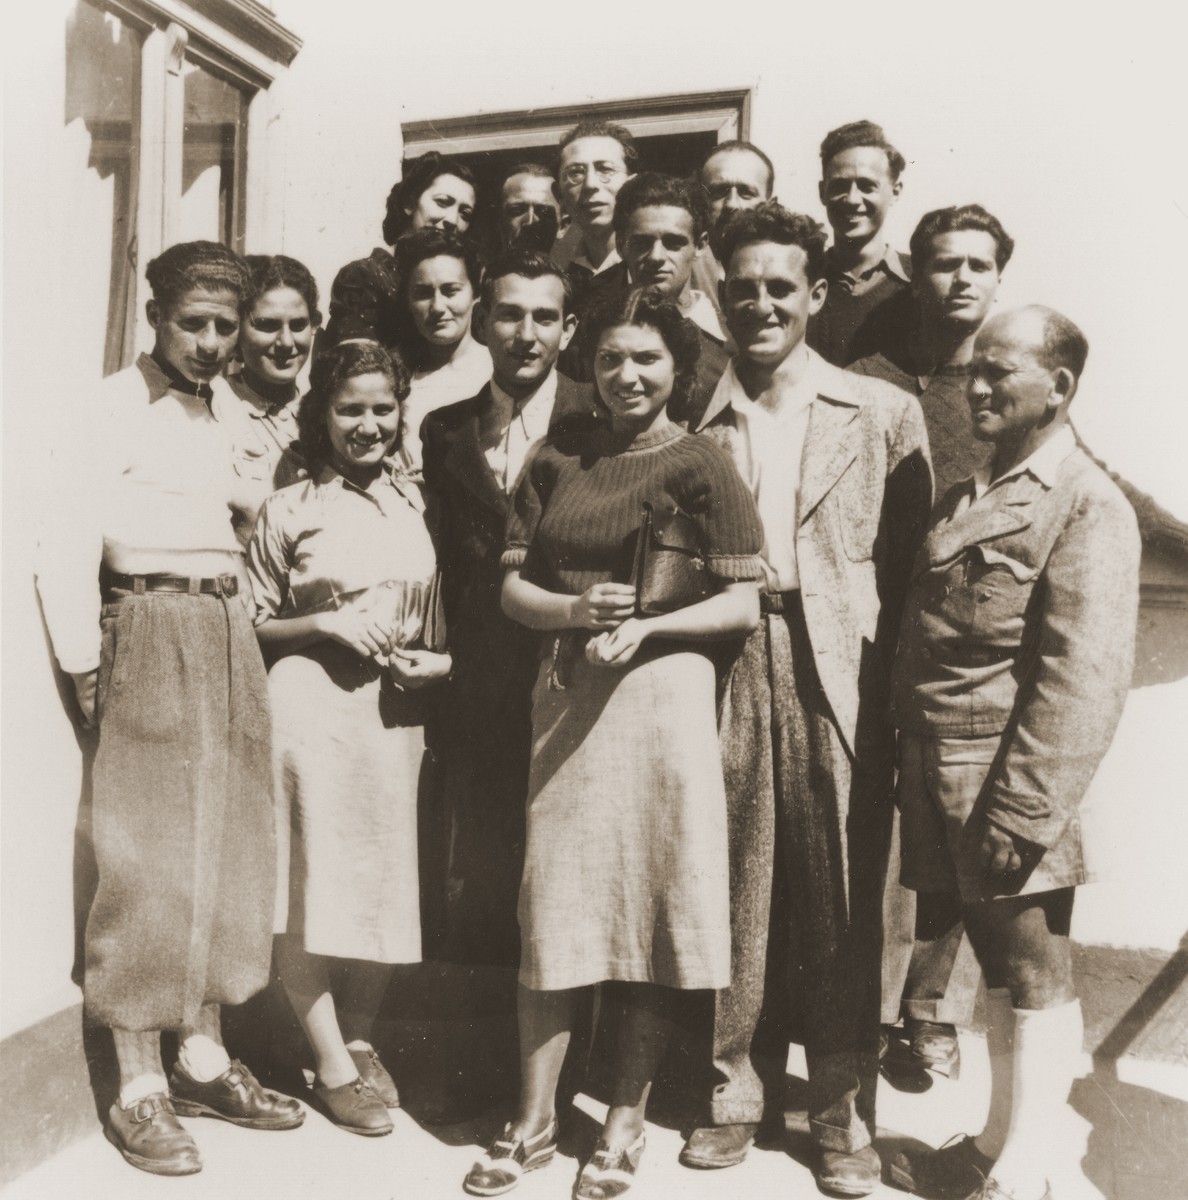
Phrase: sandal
pixel 508 1158
pixel 609 1173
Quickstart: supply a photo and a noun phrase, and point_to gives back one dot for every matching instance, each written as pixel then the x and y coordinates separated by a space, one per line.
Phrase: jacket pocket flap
pixel 1021 571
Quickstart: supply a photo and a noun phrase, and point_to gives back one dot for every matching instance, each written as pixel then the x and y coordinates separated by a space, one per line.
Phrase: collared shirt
pixel 263 430
pixel 889 266
pixel 1043 463
pixel 510 428
pixel 704 315
pixel 771 445
pixel 149 490
pixel 582 263
pixel 462 377
pixel 324 543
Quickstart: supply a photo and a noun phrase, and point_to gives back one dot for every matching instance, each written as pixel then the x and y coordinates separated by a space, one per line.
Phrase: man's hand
pixel 1000 851
pixel 604 606
pixel 86 690
pixel 362 632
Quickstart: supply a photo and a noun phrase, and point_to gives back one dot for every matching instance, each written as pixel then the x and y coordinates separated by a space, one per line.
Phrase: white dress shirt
pixel 1043 463
pixel 770 446
pixel 148 488
pixel 510 428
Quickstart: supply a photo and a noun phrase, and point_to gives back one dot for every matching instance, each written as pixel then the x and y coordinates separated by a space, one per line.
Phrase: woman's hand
pixel 362 632
pixel 413 669
pixel 604 606
pixel 618 647
pixel 86 691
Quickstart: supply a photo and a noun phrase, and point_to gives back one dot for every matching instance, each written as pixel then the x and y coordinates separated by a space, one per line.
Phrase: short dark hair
pixel 414 248
pixel 640 307
pixel 603 129
pixel 861 133
pixel 738 146
pixel 416 177
pixel 272 271
pixel 955 219
pixel 650 189
pixel 531 264
pixel 330 373
pixel 197 266
pixel 1064 345
pixel 771 222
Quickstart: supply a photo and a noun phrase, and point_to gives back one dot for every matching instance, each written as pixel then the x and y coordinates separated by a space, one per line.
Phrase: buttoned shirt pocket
pixel 1001 586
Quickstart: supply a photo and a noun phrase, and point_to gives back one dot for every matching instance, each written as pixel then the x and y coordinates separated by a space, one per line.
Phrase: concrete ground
pixel 1126 1139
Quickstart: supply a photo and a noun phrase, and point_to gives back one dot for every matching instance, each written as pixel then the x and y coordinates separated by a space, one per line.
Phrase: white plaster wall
pixel 1069 135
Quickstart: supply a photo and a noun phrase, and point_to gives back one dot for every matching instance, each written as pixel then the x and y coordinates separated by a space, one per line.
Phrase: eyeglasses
pixel 576 174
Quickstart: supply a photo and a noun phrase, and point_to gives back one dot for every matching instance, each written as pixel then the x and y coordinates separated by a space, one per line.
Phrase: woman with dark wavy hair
pixel 343 573
pixel 625 876
pixel 434 192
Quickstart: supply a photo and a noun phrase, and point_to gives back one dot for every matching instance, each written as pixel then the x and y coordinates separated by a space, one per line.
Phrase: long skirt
pixel 183 813
pixel 348 752
pixel 626 869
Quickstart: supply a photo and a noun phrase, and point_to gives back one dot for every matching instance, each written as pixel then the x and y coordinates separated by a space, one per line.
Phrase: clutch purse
pixel 669 571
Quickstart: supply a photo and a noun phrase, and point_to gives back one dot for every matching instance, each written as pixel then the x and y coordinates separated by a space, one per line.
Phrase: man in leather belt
pixel 839 468
pixel 1014 662
pixel 140 576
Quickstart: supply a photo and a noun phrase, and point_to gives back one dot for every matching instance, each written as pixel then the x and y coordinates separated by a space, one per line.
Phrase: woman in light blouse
pixel 343 574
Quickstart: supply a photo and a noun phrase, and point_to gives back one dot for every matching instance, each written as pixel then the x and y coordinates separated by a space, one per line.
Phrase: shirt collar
pixel 378 491
pixel 162 378
pixel 703 314
pixel 539 403
pixel 1043 463
pixel 611 260
pixel 259 406
pixel 730 393
pixel 890 264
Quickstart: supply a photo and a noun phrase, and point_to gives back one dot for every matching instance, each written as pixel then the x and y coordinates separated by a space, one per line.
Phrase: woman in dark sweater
pixel 434 192
pixel 625 878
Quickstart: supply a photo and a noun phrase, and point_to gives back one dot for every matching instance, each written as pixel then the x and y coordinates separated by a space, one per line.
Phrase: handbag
pixel 669 571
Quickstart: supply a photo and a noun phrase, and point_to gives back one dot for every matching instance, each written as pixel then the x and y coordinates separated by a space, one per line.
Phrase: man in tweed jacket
pixel 1014 663
pixel 839 468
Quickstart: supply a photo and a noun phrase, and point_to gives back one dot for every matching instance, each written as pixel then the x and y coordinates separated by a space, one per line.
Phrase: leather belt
pixel 180 585
pixel 771 603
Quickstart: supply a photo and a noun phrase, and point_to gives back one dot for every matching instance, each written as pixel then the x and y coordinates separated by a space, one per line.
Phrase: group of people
pixel 442 554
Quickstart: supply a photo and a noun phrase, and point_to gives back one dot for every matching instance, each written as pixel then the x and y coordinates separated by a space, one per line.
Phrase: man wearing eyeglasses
pixel 1014 660
pixel 595 160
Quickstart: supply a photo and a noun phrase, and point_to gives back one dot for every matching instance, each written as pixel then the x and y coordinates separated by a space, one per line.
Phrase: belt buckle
pixel 226 585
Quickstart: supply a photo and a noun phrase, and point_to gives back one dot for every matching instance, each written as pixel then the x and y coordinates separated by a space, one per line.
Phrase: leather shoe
pixel 932 1043
pixel 714 1146
pixel 953 1172
pixel 150 1137
pixel 354 1107
pixel 508 1159
pixel 372 1071
pixel 848 1172
pixel 609 1173
pixel 235 1096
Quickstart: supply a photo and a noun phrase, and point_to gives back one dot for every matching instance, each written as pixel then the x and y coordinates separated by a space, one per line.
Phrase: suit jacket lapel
pixel 979 523
pixel 465 461
pixel 828 450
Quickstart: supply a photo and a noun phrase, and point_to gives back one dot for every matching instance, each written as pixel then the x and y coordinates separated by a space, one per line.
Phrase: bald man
pixel 1015 656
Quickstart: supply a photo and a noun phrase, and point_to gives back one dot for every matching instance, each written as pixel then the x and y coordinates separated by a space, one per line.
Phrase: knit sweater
pixel 576 513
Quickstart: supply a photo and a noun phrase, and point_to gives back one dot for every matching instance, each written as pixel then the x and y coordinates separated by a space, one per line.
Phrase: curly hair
pixel 652 189
pixel 272 271
pixel 771 222
pixel 956 219
pixel 197 266
pixel 330 373
pixel 416 178
pixel 414 248
pixel 642 307
pixel 861 133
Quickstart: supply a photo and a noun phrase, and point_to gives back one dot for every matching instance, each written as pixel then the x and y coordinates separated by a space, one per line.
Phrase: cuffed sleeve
pixel 268 559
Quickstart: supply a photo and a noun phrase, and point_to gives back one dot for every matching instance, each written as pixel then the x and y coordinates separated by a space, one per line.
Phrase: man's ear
pixel 722 294
pixel 568 329
pixel 152 310
pixel 817 294
pixel 1064 387
pixel 702 241
pixel 821 193
pixel 896 188
pixel 478 323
